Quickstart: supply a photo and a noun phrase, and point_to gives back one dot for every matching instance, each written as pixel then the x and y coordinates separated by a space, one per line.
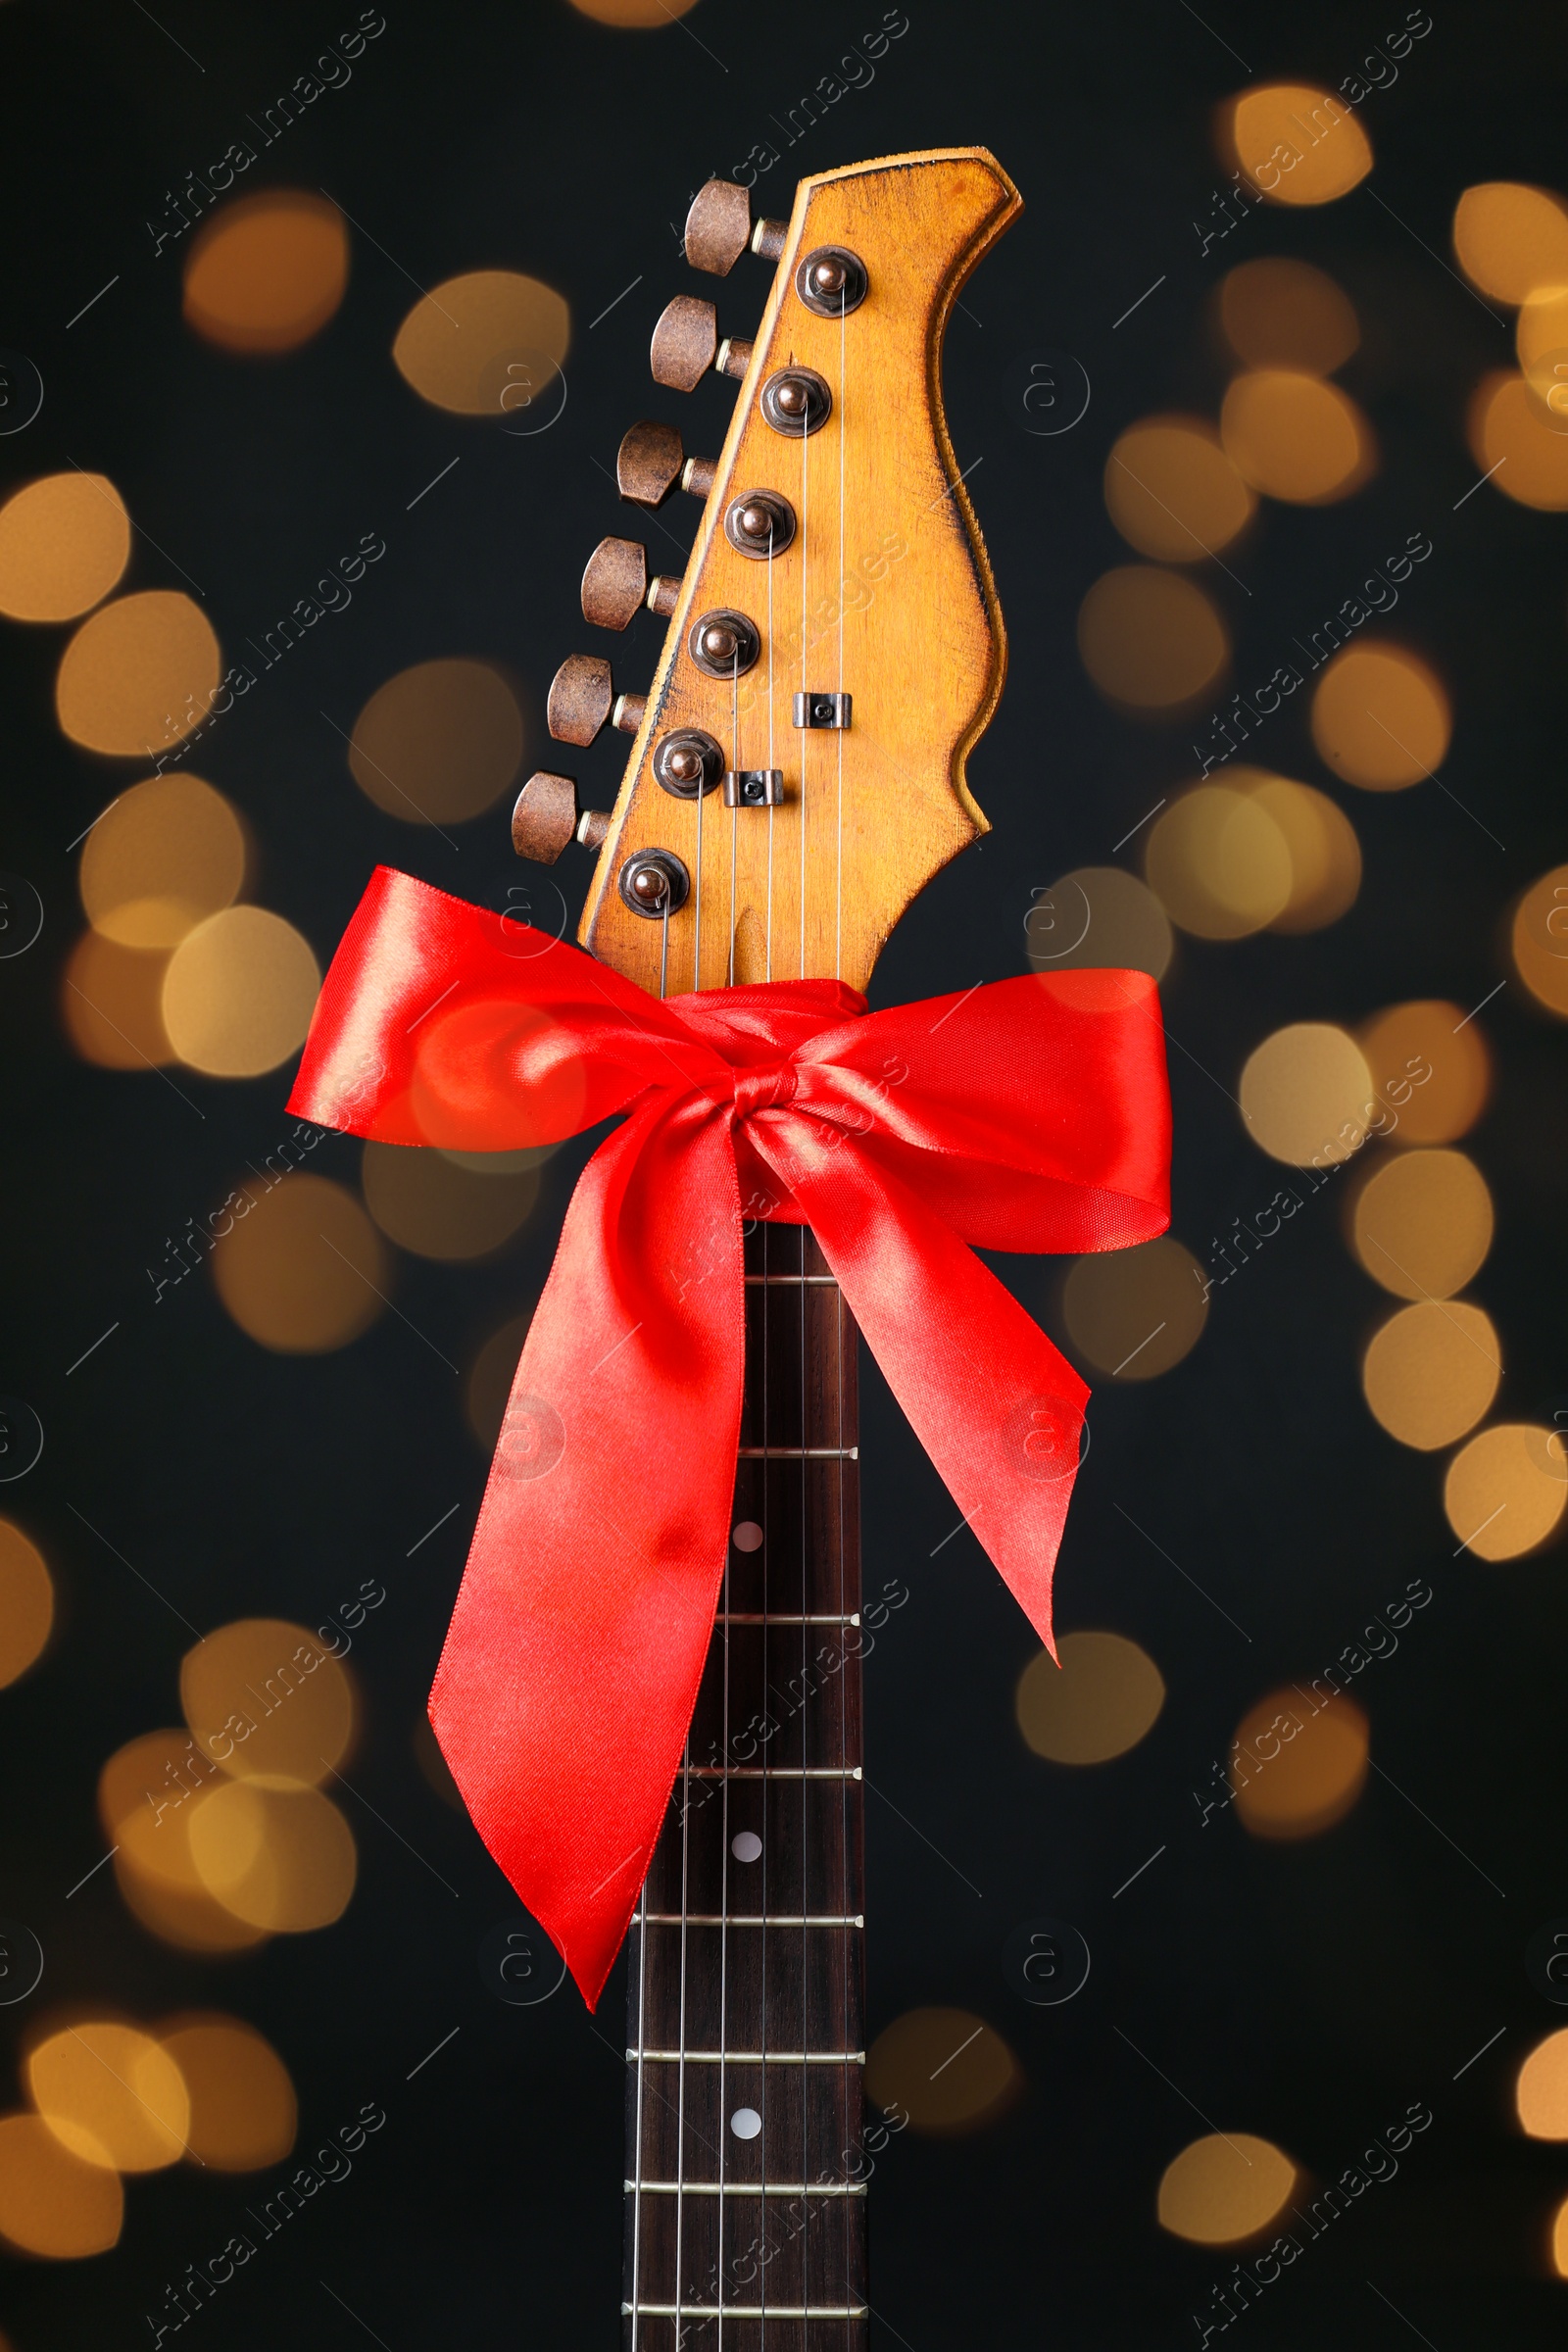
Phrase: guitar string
pixel 637 2151
pixel 680 2091
pixel 844 1759
pixel 843 597
pixel 724 1934
pixel 767 1809
pixel 806 443
pixel 697 901
pixel 734 815
pixel 770 742
pixel 806 1786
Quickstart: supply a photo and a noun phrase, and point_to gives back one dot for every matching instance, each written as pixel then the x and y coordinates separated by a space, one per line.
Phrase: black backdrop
pixel 1310 1992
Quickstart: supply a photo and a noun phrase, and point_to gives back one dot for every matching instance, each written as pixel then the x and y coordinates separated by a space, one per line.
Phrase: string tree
pixel 720 228
pixel 686 344
pixel 650 463
pixel 547 817
pixel 617 586
pixel 583 699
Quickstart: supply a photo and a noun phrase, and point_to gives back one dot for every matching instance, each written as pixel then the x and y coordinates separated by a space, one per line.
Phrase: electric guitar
pixel 797 775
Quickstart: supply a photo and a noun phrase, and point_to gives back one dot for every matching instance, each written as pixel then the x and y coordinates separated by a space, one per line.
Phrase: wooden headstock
pixel 876 588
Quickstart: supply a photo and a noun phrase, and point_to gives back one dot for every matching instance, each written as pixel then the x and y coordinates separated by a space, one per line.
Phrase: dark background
pixel 1310 1992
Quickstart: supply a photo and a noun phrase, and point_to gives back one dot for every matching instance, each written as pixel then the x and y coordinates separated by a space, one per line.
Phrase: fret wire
pixel 745 2310
pixel 797 1453
pixel 752 1919
pixel 762 1617
pixel 754 2188
pixel 775 1772
pixel 747 2057
pixel 812 1281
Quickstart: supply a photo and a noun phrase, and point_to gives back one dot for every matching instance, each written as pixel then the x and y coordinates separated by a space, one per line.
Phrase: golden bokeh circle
pixel 306 1270
pixel 146 1793
pixel 438 742
pixel 1218 864
pixel 1431 1372
pixel 239 992
pixel 1279 314
pixel 63 543
pixel 243 2109
pixel 161 858
pixel 26 1602
pixel 458 343
pixel 1433 1035
pixel 428 1204
pixel 1223 2189
pixel 1506 1490
pixel 112 2095
pixel 1321 842
pixel 1540 940
pixel 1298 144
pixel 138 674
pixel 281 1859
pixel 1296 436
pixel 1513 439
pixel 51 2202
pixel 1422 1224
pixel 1305 1094
pixel 1296 1783
pixel 1151 639
pixel 266 1702
pixel 112 1003
pixel 1541 2089
pixel 1172 492
pixel 1099 918
pixel 945 2070
pixel 1104 1698
pixel 1136 1312
pixel 265 273
pixel 1510 238
pixel 633 14
pixel 1381 717
pixel 1540 338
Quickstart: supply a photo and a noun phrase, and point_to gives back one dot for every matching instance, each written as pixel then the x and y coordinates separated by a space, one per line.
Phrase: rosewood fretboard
pixel 746 2168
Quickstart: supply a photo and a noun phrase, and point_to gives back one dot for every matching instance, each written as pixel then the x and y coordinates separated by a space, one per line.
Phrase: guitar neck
pixel 746 2172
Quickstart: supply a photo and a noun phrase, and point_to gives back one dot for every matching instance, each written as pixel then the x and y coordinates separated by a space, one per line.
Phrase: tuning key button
pixel 651 462
pixel 720 229
pixel 760 524
pixel 581 697
pixel 546 818
pixel 686 345
pixel 724 644
pixel 615 583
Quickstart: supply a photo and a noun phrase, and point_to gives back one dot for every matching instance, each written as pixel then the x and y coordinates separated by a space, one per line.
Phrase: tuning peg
pixel 582 698
pixel 686 345
pixel 719 229
pixel 546 818
pixel 616 582
pixel 650 460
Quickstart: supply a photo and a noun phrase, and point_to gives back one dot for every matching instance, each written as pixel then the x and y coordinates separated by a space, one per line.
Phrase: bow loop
pixel 1029 1114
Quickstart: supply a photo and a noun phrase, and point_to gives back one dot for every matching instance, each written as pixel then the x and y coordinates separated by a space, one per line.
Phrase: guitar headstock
pixel 835 644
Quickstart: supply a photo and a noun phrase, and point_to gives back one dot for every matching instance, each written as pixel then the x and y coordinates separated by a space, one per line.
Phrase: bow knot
pixel 1030 1114
pixel 764 1089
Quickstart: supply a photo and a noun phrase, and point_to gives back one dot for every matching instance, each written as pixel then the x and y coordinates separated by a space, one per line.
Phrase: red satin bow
pixel 1030 1114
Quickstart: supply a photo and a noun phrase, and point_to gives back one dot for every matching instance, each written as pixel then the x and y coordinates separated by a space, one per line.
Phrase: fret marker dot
pixel 746 1847
pixel 746 2122
pixel 747 1537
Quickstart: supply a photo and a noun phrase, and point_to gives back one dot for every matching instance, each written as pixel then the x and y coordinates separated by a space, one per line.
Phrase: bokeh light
pixel 639 15
pixel 1223 2189
pixel 948 2071
pixel 243 2110
pixel 1298 144
pixel 1280 314
pixel 1097 917
pixel 266 1702
pixel 476 339
pixel 1296 436
pixel 1540 2091
pixel 1151 639
pixel 1172 492
pixel 428 1204
pixel 1510 238
pixel 147 1793
pixel 239 992
pixel 1422 1224
pixel 1380 717
pixel 1540 338
pixel 1432 1371
pixel 138 674
pixel 51 2202
pixel 490 1378
pixel 1514 439
pixel 1218 864
pixel 161 858
pixel 1432 1034
pixel 1559 2241
pixel 26 1602
pixel 1305 1094
pixel 265 273
pixel 1102 1698
pixel 110 2094
pixel 1136 1312
pixel 1505 1490
pixel 1297 1783
pixel 306 1270
pixel 1540 940
pixel 1324 851
pixel 63 543
pixel 112 1003
pixel 278 1858
pixel 438 742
